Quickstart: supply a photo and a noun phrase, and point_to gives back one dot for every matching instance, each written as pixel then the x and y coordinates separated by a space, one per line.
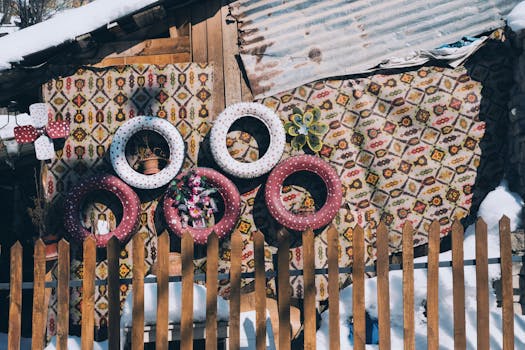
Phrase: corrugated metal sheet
pixel 288 43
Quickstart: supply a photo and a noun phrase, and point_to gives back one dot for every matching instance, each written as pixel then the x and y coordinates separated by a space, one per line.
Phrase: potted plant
pixel 149 158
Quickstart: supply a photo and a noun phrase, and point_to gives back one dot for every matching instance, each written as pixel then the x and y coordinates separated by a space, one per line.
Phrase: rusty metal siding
pixel 284 44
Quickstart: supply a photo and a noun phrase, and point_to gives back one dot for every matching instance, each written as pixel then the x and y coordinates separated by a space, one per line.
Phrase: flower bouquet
pixel 193 198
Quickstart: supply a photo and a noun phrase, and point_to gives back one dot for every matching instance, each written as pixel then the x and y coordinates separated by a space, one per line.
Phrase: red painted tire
pixel 128 198
pixel 232 208
pixel 290 166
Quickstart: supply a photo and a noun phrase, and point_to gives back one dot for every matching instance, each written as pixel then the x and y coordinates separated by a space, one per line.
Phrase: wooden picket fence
pixel 283 275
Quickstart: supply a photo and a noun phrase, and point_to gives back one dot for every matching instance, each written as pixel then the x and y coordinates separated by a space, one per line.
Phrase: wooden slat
pixel 138 270
pixel 309 290
pixel 333 285
pixel 506 283
pixel 186 322
pixel 212 266
pixel 88 292
pixel 433 287
pixel 63 295
pixel 232 73
pixel 383 287
pixel 113 253
pixel 458 286
pixel 235 293
pixel 260 291
pixel 408 287
pixel 215 54
pixel 161 46
pixel 198 37
pixel 163 254
pixel 283 292
pixel 39 310
pixel 15 298
pixel 358 288
pixel 150 59
pixel 482 286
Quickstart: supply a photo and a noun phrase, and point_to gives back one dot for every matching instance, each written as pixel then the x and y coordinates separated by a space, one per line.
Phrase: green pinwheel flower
pixel 306 129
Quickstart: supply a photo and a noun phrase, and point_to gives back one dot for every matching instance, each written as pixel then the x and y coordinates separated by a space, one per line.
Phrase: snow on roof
pixel 64 27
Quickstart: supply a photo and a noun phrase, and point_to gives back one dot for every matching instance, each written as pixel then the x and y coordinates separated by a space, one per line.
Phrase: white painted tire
pixel 118 157
pixel 224 122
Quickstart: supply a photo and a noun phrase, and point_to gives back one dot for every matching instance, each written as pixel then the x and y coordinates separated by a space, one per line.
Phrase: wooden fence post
pixel 212 265
pixel 283 292
pixel 260 291
pixel 88 293
pixel 358 283
pixel 113 253
pixel 39 304
pixel 309 290
pixel 186 321
pixel 433 287
pixel 333 286
pixel 408 286
pixel 235 288
pixel 137 331
pixel 163 251
pixel 383 287
pixel 15 298
pixel 458 286
pixel 482 286
pixel 63 295
pixel 506 283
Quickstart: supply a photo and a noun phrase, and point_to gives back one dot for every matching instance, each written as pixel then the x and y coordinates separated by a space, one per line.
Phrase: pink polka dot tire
pixel 128 198
pixel 189 205
pixel 300 222
pixel 221 127
pixel 118 152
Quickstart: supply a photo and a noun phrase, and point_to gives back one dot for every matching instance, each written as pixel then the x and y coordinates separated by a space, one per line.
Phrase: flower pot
pixel 150 165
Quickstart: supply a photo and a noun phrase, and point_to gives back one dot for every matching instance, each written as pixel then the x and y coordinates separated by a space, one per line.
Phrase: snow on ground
pixel 65 26
pixel 497 203
pixel 74 343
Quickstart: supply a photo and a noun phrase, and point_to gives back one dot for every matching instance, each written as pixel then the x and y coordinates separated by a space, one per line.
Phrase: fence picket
pixel 506 283
pixel 161 328
pixel 332 237
pixel 235 288
pixel 458 286
pixel 113 253
pixel 186 322
pixel 408 287
pixel 137 331
pixel 88 293
pixel 309 290
pixel 383 287
pixel 39 305
pixel 358 282
pixel 433 287
pixel 283 289
pixel 63 295
pixel 15 298
pixel 260 291
pixel 212 266
pixel 482 286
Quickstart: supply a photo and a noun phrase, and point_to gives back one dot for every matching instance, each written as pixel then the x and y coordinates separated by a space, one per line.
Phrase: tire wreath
pixel 313 220
pixel 232 208
pixel 118 147
pixel 128 198
pixel 224 122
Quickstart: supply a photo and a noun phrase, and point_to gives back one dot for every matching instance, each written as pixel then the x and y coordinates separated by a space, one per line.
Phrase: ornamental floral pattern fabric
pixel 96 102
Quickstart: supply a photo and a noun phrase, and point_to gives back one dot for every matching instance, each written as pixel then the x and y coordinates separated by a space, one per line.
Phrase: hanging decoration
pixel 306 129
pixel 42 131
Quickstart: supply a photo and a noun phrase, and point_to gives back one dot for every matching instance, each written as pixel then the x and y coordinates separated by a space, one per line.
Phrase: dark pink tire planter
pixel 127 197
pixel 232 208
pixel 314 220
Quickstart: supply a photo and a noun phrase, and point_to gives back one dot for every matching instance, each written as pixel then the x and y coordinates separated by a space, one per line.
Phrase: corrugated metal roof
pixel 285 44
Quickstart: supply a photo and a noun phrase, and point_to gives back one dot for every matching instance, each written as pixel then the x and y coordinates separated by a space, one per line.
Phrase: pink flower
pixel 195 212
